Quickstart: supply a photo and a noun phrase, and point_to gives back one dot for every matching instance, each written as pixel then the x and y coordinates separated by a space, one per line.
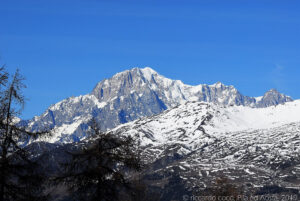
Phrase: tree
pixel 98 172
pixel 3 76
pixel 19 179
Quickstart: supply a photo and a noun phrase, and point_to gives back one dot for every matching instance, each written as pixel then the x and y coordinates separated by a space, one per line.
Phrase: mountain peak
pixel 218 85
pixel 272 91
pixel 137 82
pixel 148 70
pixel 273 97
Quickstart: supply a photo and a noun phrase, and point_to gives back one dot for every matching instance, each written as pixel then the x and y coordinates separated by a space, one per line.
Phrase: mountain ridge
pixel 134 94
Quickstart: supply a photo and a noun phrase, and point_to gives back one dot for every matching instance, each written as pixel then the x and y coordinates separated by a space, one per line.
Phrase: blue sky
pixel 65 47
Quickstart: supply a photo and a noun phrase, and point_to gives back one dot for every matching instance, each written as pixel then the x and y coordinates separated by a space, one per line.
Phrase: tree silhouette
pixel 98 171
pixel 19 179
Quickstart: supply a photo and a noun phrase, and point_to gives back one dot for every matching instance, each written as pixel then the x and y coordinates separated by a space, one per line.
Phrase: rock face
pixel 134 94
pixel 273 97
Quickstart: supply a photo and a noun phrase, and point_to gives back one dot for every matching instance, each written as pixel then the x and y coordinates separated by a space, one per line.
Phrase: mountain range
pixel 134 94
pixel 188 136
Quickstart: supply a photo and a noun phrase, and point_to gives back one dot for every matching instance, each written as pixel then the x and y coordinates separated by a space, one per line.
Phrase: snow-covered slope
pixel 68 118
pixel 134 94
pixel 203 141
pixel 198 142
pixel 185 123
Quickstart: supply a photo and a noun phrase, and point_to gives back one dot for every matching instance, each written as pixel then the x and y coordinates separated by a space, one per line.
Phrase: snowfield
pixel 214 119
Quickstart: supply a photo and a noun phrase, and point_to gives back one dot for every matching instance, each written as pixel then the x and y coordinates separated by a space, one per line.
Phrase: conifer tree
pixel 98 172
pixel 19 177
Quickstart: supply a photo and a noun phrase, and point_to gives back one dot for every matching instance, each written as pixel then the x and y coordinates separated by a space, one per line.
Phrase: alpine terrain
pixel 135 94
pixel 188 136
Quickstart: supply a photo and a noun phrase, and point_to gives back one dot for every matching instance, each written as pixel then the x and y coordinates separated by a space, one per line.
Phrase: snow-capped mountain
pixel 187 135
pixel 203 141
pixel 197 142
pixel 134 94
pixel 142 82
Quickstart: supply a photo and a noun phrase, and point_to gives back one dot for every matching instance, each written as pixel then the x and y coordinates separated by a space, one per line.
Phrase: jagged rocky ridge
pixel 134 94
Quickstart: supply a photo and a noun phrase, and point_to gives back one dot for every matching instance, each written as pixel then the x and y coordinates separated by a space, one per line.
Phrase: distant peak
pixel 273 90
pixel 273 97
pixel 218 84
pixel 148 72
pixel 131 70
pixel 145 70
pixel 148 69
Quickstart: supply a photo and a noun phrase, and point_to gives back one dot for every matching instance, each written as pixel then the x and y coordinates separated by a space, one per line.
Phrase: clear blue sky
pixel 64 47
